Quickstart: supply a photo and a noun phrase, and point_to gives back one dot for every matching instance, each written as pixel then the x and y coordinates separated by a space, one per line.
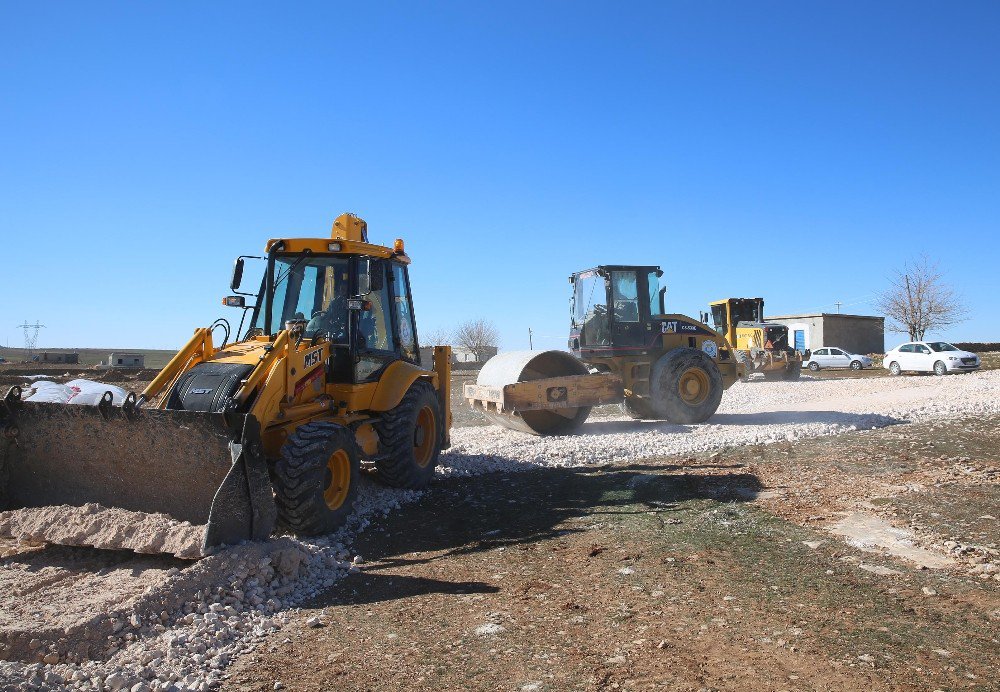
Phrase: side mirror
pixel 237 274
pixel 364 276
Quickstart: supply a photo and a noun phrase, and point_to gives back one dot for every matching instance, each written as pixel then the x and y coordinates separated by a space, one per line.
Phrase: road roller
pixel 624 348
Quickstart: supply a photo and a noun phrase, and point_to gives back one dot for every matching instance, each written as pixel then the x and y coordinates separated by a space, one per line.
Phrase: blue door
pixel 800 340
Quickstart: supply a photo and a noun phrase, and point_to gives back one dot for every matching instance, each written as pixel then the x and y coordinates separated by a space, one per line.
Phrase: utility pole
pixel 838 304
pixel 30 335
pixel 531 344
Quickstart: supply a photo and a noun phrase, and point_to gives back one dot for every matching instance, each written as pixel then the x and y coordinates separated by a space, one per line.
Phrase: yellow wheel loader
pixel 269 426
pixel 625 350
pixel 761 346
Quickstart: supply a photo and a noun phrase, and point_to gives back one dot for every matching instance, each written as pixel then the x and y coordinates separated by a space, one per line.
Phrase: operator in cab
pixel 332 320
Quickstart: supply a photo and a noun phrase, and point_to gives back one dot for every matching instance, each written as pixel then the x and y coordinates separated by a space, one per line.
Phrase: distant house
pixel 854 333
pixel 127 360
pixel 47 357
pixel 459 355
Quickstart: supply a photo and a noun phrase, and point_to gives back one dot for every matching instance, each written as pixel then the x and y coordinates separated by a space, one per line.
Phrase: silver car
pixel 832 357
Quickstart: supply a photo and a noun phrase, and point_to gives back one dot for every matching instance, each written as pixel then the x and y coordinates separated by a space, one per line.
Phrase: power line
pixel 30 335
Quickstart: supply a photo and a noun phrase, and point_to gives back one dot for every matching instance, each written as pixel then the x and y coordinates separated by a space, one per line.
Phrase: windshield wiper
pixel 292 267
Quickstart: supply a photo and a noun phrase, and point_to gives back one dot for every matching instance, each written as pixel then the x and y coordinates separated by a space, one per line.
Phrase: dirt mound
pixel 104 527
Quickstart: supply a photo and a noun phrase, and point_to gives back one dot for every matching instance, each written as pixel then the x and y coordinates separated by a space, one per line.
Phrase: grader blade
pixel 146 480
pixel 540 392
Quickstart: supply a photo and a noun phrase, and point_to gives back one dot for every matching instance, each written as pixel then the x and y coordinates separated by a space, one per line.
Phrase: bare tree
pixel 478 336
pixel 918 300
pixel 437 337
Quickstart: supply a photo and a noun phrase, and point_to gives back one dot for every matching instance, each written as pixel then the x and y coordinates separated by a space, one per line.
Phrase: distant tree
pixel 918 300
pixel 478 336
pixel 437 337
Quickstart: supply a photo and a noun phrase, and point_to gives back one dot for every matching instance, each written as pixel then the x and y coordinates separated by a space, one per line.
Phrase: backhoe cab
pixel 271 424
pixel 759 345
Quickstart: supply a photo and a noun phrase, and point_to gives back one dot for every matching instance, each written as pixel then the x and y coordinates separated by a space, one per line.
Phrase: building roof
pixel 824 315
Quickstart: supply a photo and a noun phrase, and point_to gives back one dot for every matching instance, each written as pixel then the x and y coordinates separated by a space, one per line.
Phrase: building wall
pixel 127 360
pixel 857 333
pixel 71 358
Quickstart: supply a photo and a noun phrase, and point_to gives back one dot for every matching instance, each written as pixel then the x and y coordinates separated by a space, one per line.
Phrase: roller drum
pixel 524 366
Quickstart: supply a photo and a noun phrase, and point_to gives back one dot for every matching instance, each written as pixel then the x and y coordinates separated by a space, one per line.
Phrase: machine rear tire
pixel 638 408
pixel 316 479
pixel 686 386
pixel 410 437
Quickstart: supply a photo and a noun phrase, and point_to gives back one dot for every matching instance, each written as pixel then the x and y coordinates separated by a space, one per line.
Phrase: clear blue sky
pixel 799 151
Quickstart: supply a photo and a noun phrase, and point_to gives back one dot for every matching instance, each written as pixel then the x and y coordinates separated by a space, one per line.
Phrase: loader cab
pixel 731 313
pixel 360 303
pixel 612 307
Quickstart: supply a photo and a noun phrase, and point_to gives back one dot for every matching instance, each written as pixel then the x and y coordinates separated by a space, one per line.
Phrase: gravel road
pixel 176 626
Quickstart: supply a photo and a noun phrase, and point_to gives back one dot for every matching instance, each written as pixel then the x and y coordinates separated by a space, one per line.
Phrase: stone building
pixel 854 333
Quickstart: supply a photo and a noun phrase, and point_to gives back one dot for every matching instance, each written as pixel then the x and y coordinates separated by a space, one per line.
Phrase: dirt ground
pixel 710 572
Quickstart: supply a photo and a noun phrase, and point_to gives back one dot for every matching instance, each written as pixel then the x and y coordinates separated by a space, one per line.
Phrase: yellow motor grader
pixel 759 345
pixel 625 349
pixel 269 426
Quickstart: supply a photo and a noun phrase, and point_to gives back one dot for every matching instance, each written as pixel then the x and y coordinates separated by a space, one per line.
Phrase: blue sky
pixel 798 151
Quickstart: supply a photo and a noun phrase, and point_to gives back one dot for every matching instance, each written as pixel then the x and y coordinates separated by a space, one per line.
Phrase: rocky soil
pixel 88 619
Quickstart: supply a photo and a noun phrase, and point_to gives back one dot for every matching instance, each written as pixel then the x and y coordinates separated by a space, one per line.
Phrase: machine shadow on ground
pixel 461 516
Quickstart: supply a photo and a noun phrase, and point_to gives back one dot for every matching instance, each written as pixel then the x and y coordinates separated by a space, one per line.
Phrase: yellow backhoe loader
pixel 761 346
pixel 271 426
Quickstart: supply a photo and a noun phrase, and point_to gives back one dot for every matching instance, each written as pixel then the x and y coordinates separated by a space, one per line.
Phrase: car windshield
pixel 941 346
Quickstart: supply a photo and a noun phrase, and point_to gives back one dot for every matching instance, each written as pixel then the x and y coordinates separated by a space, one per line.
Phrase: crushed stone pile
pixel 110 528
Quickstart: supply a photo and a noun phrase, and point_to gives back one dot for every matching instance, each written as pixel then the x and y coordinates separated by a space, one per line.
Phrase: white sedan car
pixel 938 357
pixel 831 357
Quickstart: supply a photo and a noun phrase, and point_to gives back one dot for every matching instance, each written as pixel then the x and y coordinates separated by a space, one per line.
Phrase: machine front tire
pixel 686 386
pixel 638 408
pixel 793 371
pixel 410 437
pixel 316 478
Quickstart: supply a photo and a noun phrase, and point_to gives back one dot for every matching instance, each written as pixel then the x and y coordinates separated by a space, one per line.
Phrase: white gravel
pixel 191 647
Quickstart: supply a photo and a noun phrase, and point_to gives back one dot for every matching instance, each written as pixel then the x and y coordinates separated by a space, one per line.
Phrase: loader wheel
pixel 316 478
pixel 686 386
pixel 410 437
pixel 638 408
pixel 792 371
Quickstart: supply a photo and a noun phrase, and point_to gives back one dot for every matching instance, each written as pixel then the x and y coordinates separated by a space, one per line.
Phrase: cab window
pixel 404 314
pixel 590 309
pixel 625 294
pixel 377 343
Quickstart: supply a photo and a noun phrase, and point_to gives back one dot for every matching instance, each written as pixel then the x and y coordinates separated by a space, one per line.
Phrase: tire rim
pixel 339 466
pixel 424 436
pixel 693 386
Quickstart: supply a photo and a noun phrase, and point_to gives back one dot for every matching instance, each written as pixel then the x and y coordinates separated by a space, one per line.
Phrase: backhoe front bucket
pixel 122 477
